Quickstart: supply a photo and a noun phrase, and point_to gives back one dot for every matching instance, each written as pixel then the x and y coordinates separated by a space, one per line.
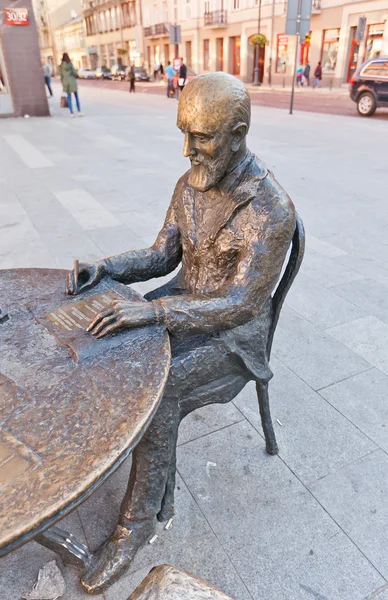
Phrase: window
pixel 188 54
pixel 374 41
pixel 188 9
pixel 330 50
pixel 113 19
pixel 132 13
pixel 207 6
pixel 376 69
pixel 206 55
pixel 166 53
pixel 236 4
pixel 236 41
pixel 165 12
pixel 281 53
pixel 220 54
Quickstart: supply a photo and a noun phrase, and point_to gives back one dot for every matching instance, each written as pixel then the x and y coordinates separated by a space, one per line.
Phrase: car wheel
pixel 366 104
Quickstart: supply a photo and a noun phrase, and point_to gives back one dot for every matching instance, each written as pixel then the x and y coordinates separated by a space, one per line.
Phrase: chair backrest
pixel 291 270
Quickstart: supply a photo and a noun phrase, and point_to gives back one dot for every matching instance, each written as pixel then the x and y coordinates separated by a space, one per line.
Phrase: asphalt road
pixel 307 100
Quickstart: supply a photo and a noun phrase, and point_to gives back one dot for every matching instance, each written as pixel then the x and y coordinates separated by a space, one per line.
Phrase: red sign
pixel 16 16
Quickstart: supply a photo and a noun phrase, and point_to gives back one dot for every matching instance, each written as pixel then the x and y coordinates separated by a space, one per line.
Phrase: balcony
pixel 216 18
pixel 316 8
pixel 160 29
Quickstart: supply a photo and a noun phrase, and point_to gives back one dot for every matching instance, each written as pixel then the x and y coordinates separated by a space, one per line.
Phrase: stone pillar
pixel 22 63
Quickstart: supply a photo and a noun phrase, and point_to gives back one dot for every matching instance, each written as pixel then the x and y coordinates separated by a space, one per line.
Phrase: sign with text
pixel 16 16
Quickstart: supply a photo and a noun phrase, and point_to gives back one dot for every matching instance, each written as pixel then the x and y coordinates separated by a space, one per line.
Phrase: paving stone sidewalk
pixel 312 523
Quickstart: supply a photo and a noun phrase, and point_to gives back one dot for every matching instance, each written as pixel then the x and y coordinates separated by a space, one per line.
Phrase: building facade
pixel 113 32
pixel 217 34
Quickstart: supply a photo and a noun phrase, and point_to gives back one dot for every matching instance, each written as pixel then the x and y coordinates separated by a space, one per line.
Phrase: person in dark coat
pixel 306 73
pixel 132 80
pixel 317 76
pixel 229 225
pixel 182 75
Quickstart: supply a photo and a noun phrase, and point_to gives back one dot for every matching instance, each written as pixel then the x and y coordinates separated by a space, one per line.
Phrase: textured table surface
pixel 70 409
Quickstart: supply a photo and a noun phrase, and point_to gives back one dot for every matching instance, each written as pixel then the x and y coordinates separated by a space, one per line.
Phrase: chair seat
pixel 169 583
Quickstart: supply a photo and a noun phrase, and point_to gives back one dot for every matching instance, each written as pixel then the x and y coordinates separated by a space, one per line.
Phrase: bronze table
pixel 72 408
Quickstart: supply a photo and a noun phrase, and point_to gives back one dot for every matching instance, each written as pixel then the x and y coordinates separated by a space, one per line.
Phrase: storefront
pixel 329 53
pixel 281 53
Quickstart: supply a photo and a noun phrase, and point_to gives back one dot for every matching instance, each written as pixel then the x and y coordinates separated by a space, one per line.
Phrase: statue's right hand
pixel 88 276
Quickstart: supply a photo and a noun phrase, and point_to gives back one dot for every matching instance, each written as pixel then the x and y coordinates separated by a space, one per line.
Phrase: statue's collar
pixel 233 178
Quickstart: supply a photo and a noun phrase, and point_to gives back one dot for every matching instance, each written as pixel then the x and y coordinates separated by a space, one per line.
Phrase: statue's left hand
pixel 122 314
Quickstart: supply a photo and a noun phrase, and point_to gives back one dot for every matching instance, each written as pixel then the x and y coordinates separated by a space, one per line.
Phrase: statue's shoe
pixel 114 557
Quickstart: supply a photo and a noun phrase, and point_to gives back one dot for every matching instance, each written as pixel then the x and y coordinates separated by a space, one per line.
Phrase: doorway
pixel 219 54
pixel 236 57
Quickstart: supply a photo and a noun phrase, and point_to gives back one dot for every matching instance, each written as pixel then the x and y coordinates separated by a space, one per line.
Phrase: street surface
pixel 334 102
pixel 311 523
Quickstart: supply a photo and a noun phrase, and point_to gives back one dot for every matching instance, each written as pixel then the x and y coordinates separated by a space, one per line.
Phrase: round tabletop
pixel 71 407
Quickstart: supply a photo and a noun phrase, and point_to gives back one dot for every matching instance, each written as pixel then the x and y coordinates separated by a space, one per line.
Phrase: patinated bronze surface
pixel 71 409
pixel 229 226
pixel 169 583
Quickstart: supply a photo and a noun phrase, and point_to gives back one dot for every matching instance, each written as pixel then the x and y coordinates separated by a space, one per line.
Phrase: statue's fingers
pixel 110 328
pixel 70 283
pixel 98 318
pixel 99 327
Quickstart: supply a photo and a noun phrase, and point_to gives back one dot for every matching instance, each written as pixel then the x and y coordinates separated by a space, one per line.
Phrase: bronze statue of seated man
pixel 229 225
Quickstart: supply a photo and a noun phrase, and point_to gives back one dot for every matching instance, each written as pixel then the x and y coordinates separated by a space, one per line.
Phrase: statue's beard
pixel 204 176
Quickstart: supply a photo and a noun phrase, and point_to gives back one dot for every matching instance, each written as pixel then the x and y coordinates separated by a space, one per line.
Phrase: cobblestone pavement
pixel 311 523
pixel 334 102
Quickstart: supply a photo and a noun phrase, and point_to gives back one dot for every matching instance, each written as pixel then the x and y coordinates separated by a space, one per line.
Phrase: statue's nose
pixel 187 150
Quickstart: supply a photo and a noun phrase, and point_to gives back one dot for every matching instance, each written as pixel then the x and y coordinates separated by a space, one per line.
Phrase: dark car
pixel 103 73
pixel 118 72
pixel 369 86
pixel 140 74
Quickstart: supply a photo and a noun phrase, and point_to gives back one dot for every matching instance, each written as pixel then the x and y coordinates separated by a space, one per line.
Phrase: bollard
pixel 331 84
pixel 284 82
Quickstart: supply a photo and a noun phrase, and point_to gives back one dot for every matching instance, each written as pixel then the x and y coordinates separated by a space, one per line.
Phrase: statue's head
pixel 214 115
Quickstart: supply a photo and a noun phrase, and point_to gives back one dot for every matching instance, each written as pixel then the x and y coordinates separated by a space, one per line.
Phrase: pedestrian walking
pixel 132 80
pixel 306 73
pixel 317 76
pixel 69 83
pixel 170 73
pixel 156 71
pixel 47 73
pixel 182 75
pixel 299 75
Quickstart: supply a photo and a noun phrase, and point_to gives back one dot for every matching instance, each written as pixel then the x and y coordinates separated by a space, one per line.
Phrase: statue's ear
pixel 239 132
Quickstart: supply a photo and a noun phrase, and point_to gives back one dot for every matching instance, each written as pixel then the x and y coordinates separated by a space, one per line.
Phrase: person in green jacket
pixel 69 83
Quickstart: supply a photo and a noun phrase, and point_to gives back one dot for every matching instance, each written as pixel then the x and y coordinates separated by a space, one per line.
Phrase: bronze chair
pixel 231 386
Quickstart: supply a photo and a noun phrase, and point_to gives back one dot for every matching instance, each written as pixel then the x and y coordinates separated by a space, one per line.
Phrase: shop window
pixel 330 50
pixel 206 55
pixel 281 53
pixel 374 41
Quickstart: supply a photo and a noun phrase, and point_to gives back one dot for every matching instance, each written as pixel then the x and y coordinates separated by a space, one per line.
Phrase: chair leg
pixel 265 413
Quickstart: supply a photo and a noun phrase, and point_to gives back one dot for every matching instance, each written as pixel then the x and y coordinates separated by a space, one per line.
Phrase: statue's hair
pixel 220 86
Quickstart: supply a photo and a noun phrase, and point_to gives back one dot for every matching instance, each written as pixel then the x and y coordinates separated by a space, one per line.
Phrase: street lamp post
pixel 256 80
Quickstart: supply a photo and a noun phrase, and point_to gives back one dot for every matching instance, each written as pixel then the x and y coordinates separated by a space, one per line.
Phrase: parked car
pixel 103 73
pixel 86 74
pixel 118 73
pixel 140 74
pixel 369 86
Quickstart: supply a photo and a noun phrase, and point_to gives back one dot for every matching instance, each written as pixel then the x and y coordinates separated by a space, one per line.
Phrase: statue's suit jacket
pixel 231 261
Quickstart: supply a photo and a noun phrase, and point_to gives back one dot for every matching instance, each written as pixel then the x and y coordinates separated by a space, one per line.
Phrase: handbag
pixel 182 81
pixel 64 103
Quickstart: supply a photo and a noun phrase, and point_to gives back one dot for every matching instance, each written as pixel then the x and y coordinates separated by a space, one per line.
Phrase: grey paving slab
pixel 369 268
pixel 326 271
pixel 89 213
pixel 380 594
pixel 356 497
pixel 368 337
pixel 323 247
pixel 313 354
pixel 314 440
pixel 115 240
pixel 286 546
pixel 208 419
pixel 319 305
pixel 363 400
pixel 369 295
pixel 28 153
